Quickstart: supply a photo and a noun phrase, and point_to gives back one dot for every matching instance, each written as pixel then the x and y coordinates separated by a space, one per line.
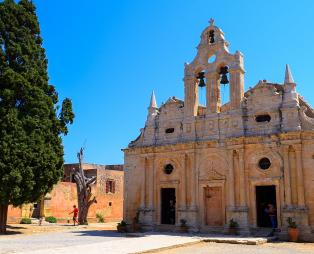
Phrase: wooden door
pixel 213 206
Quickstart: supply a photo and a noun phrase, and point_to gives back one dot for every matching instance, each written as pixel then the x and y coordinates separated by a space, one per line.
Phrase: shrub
pixel 291 223
pixel 51 219
pixel 233 223
pixel 183 222
pixel 100 218
pixel 26 221
pixel 136 219
pixel 122 224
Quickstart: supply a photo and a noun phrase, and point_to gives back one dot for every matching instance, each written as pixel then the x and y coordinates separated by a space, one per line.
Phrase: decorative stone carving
pixel 307 122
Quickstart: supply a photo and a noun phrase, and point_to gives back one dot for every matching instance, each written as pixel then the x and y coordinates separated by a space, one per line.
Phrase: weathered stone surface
pixel 220 146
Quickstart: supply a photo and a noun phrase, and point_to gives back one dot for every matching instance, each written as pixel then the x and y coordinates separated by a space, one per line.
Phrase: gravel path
pixel 221 248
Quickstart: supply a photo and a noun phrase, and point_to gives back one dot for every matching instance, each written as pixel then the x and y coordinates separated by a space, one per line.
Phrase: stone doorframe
pixel 166 184
pixel 201 201
pixel 252 198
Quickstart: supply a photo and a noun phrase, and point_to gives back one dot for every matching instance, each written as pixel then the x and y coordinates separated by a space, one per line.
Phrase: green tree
pixel 31 123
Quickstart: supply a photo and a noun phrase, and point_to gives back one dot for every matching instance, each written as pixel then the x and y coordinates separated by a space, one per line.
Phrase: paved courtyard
pixel 222 248
pixel 83 240
pixel 102 238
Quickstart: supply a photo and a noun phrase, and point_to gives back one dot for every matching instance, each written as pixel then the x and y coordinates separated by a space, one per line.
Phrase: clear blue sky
pixel 108 56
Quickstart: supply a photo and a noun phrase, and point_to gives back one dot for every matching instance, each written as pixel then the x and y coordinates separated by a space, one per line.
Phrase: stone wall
pixel 59 202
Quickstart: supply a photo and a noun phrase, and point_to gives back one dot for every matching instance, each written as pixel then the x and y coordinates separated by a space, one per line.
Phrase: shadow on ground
pixel 11 230
pixel 101 233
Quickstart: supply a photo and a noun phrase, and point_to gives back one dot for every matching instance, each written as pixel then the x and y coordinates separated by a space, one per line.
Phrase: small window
pixel 110 203
pixel 168 169
pixel 264 163
pixel 110 186
pixel 169 130
pixel 263 118
pixel 35 205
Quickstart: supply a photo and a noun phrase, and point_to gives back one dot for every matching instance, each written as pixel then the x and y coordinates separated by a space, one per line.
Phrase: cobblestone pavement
pixel 221 248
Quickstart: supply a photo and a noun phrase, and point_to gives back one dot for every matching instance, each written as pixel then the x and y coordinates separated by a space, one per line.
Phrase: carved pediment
pixel 211 173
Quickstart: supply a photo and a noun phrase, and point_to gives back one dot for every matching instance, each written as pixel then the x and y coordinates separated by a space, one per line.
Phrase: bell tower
pixel 212 67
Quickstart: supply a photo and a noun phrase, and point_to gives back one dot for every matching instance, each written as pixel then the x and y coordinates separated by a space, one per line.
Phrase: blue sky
pixel 108 56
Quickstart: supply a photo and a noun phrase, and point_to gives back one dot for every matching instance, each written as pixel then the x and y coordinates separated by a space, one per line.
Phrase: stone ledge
pixel 229 240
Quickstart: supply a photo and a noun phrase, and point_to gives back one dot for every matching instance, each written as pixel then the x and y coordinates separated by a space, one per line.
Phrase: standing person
pixel 172 212
pixel 271 211
pixel 75 215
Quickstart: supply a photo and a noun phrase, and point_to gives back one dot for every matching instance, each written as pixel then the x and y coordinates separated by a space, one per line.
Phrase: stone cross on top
pixel 211 21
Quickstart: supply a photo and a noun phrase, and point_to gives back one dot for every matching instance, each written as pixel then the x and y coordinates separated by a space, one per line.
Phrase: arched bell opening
pixel 201 84
pixel 224 81
pixel 211 36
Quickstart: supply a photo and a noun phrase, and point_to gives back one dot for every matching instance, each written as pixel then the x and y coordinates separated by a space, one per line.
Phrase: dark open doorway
pixel 265 195
pixel 168 206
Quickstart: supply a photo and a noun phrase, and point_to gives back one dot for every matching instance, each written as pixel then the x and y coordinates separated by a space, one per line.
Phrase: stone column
pixel 150 186
pixel 143 189
pixel 212 93
pixel 300 180
pixel 231 180
pixel 242 178
pixel 191 96
pixel 287 186
pixel 154 190
pixel 236 87
pixel 184 183
pixel 193 181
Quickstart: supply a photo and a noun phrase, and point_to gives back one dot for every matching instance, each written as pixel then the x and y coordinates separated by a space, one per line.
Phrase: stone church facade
pixel 208 164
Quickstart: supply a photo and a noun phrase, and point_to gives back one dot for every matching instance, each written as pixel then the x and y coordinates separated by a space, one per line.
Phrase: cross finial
pixel 211 21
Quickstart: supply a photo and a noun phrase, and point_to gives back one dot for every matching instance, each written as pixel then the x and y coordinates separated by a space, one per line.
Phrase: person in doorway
pixel 270 210
pixel 75 215
pixel 172 211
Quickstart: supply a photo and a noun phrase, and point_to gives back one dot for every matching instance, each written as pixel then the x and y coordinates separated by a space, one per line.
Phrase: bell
pixel 224 79
pixel 201 82
pixel 223 72
pixel 211 36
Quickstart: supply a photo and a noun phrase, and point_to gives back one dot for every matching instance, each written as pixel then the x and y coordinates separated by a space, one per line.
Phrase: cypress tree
pixel 31 122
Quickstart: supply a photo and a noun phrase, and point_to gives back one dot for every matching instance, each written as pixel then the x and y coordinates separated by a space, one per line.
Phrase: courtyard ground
pixel 103 238
pixel 222 248
pixel 91 239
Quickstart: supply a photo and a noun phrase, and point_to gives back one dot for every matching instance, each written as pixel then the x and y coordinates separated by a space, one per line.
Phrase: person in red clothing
pixel 75 214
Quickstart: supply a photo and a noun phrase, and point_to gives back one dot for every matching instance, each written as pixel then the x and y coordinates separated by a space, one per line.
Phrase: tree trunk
pixel 3 218
pixel 84 190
